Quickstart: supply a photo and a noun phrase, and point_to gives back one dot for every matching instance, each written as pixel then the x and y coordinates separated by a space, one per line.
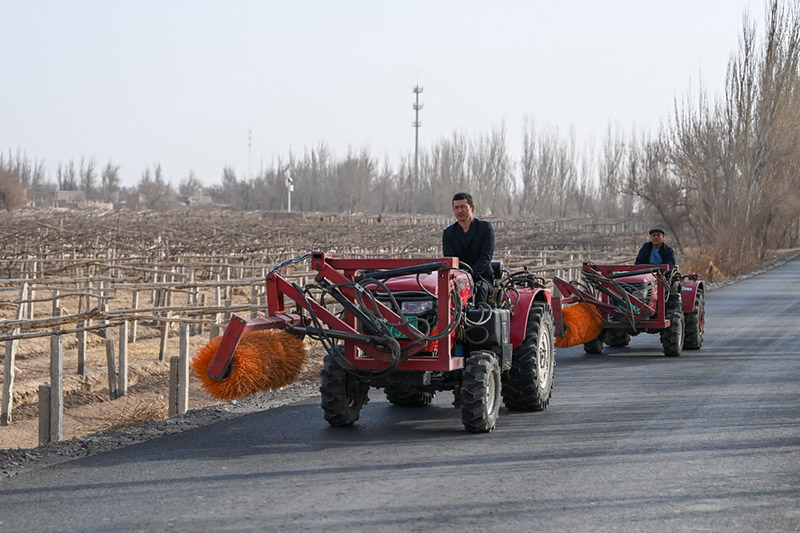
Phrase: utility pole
pixel 249 150
pixel 289 188
pixel 417 106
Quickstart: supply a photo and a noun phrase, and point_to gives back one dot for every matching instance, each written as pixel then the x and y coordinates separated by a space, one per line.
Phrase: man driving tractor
pixel 472 241
pixel 656 251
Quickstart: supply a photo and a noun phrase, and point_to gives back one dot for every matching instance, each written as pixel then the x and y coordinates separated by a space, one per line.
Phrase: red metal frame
pixel 362 354
pixel 369 357
pixel 647 316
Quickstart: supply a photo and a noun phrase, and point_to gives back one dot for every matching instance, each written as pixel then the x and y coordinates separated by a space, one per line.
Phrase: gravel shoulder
pixel 16 461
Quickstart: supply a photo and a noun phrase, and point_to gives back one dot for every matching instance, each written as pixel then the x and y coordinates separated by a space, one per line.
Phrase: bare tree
pixel 157 192
pixel 611 173
pixel 489 172
pixel 444 168
pixel 26 172
pixel 109 181
pixel 12 194
pixel 87 176
pixel 727 173
pixel 190 185
pixel 66 177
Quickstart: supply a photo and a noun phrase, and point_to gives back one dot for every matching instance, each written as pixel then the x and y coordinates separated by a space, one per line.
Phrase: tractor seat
pixel 497 269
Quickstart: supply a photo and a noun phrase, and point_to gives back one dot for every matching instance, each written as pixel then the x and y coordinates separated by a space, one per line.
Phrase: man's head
pixel 657 237
pixel 463 207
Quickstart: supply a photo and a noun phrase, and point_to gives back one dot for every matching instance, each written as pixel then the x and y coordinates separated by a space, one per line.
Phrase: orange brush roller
pixel 263 361
pixel 583 325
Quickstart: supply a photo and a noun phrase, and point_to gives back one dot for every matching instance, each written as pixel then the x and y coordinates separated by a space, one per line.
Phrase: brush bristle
pixel 583 325
pixel 263 361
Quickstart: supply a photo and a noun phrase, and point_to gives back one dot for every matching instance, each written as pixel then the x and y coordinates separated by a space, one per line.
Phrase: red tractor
pixel 626 300
pixel 412 328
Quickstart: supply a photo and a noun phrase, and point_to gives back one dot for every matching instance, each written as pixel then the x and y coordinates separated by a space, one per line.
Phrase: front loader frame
pixel 613 299
pixel 366 347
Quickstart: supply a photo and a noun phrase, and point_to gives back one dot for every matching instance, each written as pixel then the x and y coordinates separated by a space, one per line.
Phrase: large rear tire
pixel 480 392
pixel 408 396
pixel 343 395
pixel 695 322
pixel 672 336
pixel 528 384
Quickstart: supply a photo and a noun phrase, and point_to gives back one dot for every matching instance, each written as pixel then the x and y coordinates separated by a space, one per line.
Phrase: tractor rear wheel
pixel 618 338
pixel 408 396
pixel 694 324
pixel 480 392
pixel 343 395
pixel 527 386
pixel 672 336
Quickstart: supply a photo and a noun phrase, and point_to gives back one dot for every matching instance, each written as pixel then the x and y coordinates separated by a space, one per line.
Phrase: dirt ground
pixel 87 405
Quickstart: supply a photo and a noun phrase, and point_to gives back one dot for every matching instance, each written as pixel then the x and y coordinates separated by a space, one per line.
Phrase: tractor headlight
pixel 416 308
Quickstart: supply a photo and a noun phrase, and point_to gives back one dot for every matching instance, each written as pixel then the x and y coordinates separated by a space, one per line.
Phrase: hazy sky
pixel 183 82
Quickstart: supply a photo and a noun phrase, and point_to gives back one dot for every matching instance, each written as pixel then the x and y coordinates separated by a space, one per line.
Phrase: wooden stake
pixel 123 359
pixel 162 347
pixel 9 369
pixel 56 387
pixel 134 323
pixel 112 374
pixel 81 350
pixel 174 378
pixel 183 370
pixel 44 414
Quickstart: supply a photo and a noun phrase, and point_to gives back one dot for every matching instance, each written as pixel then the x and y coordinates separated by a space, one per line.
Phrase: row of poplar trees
pixel 722 173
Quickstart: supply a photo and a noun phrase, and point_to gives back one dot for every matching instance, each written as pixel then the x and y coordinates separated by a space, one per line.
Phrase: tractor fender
pixel 689 290
pixel 521 309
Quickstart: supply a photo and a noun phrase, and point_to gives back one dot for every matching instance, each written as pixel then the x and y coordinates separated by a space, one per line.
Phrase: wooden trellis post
pixel 44 414
pixel 32 292
pixel 183 370
pixel 254 300
pixel 10 359
pixel 134 322
pixel 123 359
pixel 199 330
pixel 112 374
pixel 81 335
pixel 191 299
pixel 56 387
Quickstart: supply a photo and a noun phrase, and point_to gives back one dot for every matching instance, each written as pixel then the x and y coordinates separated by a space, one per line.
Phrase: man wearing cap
pixel 656 251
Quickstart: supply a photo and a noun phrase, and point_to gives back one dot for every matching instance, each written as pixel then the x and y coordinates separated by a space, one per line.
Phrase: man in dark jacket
pixel 656 251
pixel 472 241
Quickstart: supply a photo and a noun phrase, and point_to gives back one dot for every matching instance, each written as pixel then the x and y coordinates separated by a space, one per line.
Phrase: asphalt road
pixel 632 441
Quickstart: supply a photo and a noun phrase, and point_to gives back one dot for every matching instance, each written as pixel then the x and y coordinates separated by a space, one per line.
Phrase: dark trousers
pixel 482 289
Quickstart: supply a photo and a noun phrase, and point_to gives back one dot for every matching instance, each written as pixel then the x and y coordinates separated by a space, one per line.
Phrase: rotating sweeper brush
pixel 262 361
pixel 582 323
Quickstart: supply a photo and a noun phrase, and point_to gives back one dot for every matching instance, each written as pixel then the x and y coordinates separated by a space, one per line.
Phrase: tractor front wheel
pixel 527 386
pixel 596 345
pixel 408 396
pixel 618 338
pixel 672 336
pixel 480 392
pixel 343 395
pixel 695 322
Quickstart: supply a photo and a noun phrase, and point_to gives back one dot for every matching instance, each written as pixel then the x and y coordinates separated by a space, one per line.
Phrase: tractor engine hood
pixel 429 283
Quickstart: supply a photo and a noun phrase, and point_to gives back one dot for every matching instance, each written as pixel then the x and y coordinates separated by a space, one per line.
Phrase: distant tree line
pixel 722 174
